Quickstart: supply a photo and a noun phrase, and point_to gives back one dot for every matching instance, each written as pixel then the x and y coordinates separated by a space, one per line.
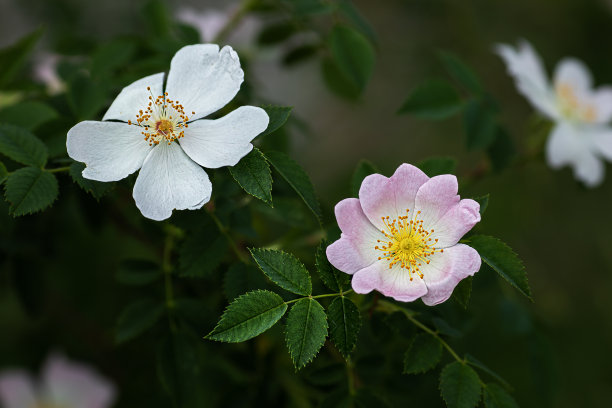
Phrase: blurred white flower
pixel 45 71
pixel 210 22
pixel 147 128
pixel 63 383
pixel 581 137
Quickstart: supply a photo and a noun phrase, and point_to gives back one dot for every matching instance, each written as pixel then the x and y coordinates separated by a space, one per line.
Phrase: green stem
pixel 320 296
pixel 58 169
pixel 234 21
pixel 167 270
pixel 223 229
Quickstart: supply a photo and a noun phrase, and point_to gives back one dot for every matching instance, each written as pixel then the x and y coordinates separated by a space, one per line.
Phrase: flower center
pixel 572 107
pixel 407 243
pixel 162 120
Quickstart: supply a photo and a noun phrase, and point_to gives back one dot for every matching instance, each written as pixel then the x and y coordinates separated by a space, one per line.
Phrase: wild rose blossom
pixel 581 137
pixel 162 133
pixel 63 384
pixel 401 236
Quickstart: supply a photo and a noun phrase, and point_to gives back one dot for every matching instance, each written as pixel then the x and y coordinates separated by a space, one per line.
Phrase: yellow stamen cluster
pixel 407 244
pixel 572 107
pixel 162 120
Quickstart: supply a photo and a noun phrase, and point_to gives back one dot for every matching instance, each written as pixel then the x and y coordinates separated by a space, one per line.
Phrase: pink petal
pixel 446 270
pixel 435 198
pixel 17 390
pixel 381 196
pixel 394 282
pixel 355 248
pixel 456 223
pixel 76 385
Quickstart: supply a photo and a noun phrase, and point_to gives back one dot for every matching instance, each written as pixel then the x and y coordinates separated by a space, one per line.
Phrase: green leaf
pixel 138 272
pixel 352 13
pixel 3 173
pixel 480 125
pixel 353 54
pixel 241 278
pixel 344 324
pixel 253 174
pixel 423 354
pixel 248 316
pixel 462 292
pixel 276 33
pixel 336 80
pixel 202 252
pixel 300 54
pixel 460 72
pixel 496 397
pixel 278 116
pixel 137 318
pixel 297 178
pixel 96 188
pixel 502 151
pixel 306 331
pixel 483 201
pixel 434 99
pixel 332 278
pixel 28 115
pixel 460 386
pixel 283 269
pixel 444 328
pixel 22 146
pixel 29 190
pixel 15 55
pixel 85 96
pixel 435 166
pixel 364 169
pixel 111 56
pixel 474 362
pixel 503 260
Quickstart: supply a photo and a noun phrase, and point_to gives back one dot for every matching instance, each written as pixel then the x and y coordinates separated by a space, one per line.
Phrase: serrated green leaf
pixel 29 190
pixel 336 80
pixel 248 316
pixel 332 278
pixel 460 72
pixel 202 252
pixel 137 272
pixel 344 324
pixel 297 178
pixel 353 55
pixel 28 115
pixel 3 173
pixel 474 362
pixel 435 166
pixel 14 56
pixel 253 174
pixel 96 188
pixel 283 269
pixel 496 397
pixel 483 201
pixel 241 278
pixel 137 318
pixel 364 169
pixel 462 292
pixel 276 33
pixel 423 354
pixel 306 331
pixel 460 386
pixel 502 151
pixel 480 125
pixel 434 99
pixel 22 146
pixel 503 260
pixel 278 116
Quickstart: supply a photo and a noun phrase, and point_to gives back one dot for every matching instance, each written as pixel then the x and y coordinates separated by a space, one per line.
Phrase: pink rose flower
pixel 401 236
pixel 62 384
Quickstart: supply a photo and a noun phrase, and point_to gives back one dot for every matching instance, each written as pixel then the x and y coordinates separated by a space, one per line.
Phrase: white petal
pixel 571 145
pixel 204 79
pixel 602 103
pixel 135 97
pixel 111 150
pixel 17 390
pixel 601 139
pixel 525 65
pixel 574 73
pixel 70 384
pixel 224 141
pixel 170 180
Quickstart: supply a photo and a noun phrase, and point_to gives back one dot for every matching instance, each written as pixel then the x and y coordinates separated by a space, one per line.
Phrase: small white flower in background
pixel 162 133
pixel 62 384
pixel 210 22
pixel 581 137
pixel 45 71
